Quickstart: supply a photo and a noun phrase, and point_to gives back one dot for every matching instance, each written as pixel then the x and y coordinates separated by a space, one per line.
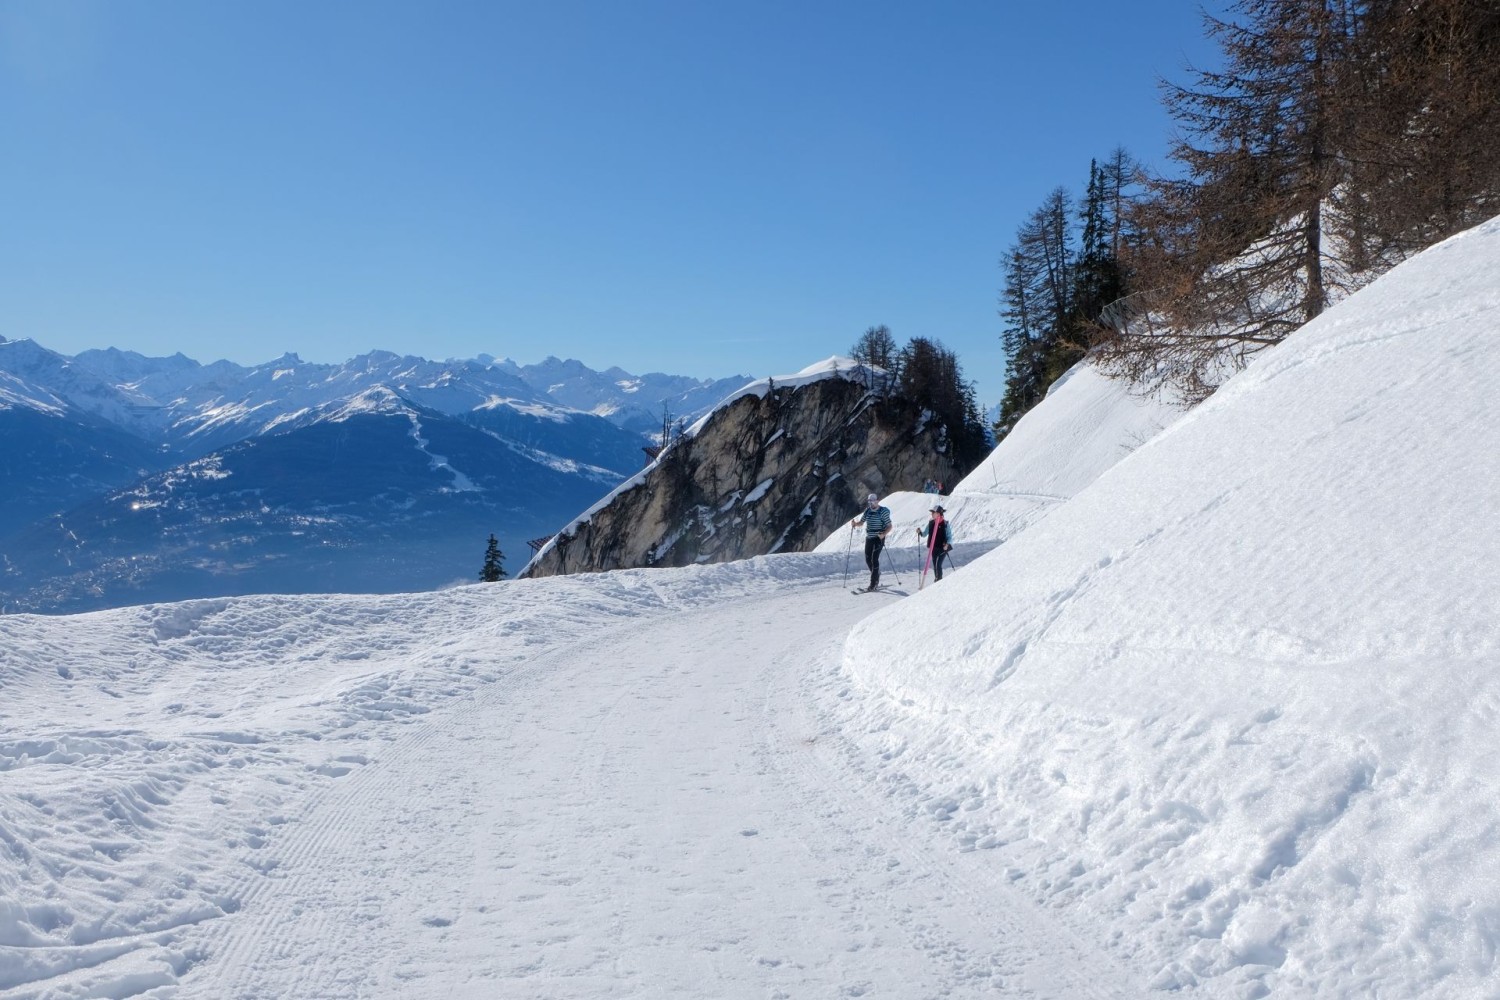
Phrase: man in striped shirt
pixel 877 522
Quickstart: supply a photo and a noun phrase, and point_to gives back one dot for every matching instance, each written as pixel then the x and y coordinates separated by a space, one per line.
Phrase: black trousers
pixel 873 545
pixel 937 563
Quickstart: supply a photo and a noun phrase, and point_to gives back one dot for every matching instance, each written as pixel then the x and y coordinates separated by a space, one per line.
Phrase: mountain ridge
pixel 80 436
pixel 194 406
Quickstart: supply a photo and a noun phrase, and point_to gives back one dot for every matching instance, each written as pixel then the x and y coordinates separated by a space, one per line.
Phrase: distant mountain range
pixel 127 479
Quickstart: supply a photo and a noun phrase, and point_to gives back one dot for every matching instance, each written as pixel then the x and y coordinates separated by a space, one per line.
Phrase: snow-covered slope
pixel 1233 706
pixel 18 393
pixel 1086 424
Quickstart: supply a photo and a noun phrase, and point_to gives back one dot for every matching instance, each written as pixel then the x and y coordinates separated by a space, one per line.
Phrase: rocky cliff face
pixel 769 472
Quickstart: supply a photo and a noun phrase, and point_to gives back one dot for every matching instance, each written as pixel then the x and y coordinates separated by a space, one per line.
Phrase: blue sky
pixel 704 188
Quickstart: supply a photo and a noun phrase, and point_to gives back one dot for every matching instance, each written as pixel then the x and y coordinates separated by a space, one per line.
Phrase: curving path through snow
pixel 654 796
pixel 677 822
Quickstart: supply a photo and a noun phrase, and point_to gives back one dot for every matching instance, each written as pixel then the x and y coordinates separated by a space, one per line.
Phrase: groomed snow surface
pixel 1209 711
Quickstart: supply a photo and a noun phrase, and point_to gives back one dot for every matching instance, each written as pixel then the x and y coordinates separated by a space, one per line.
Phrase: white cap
pixel 871 498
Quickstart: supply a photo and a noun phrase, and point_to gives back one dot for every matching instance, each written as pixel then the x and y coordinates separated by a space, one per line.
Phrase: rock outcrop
pixel 775 470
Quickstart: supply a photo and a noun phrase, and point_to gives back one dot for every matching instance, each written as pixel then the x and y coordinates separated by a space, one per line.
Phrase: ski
pixel 867 590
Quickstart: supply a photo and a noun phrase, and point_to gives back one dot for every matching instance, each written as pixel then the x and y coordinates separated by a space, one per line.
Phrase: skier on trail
pixel 939 540
pixel 877 522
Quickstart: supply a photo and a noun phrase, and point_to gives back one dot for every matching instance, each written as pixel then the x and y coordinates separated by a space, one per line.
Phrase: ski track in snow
pixel 691 894
pixel 624 787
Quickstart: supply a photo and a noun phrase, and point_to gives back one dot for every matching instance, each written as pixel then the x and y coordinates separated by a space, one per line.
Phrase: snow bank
pixel 1086 424
pixel 831 367
pixel 1234 704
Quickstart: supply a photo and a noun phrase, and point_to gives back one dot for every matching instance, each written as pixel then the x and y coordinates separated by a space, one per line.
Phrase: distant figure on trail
pixel 939 541
pixel 877 522
pixel 929 485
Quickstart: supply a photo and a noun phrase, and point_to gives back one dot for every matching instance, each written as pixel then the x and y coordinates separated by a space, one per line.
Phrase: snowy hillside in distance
pixel 1220 724
pixel 631 401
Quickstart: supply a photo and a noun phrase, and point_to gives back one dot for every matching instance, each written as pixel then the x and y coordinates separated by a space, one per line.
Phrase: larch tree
pixel 1233 259
pixel 1337 138
pixel 1424 149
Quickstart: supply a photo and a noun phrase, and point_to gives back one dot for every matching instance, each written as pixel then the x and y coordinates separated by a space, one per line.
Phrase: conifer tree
pixel 1338 138
pixel 931 376
pixel 1117 179
pixel 1039 305
pixel 1058 281
pixel 1099 276
pixel 494 563
pixel 876 348
pixel 1022 339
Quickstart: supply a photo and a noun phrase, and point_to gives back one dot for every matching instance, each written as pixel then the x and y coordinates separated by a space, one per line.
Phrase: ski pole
pixel 928 564
pixel 890 564
pixel 848 550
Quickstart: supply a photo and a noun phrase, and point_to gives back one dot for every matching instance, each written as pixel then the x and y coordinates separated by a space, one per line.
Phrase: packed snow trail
pixel 658 802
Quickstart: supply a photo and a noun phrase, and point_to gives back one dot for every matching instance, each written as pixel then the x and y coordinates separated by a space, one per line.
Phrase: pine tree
pixel 1039 308
pixel 932 377
pixel 876 348
pixel 1099 276
pixel 494 563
